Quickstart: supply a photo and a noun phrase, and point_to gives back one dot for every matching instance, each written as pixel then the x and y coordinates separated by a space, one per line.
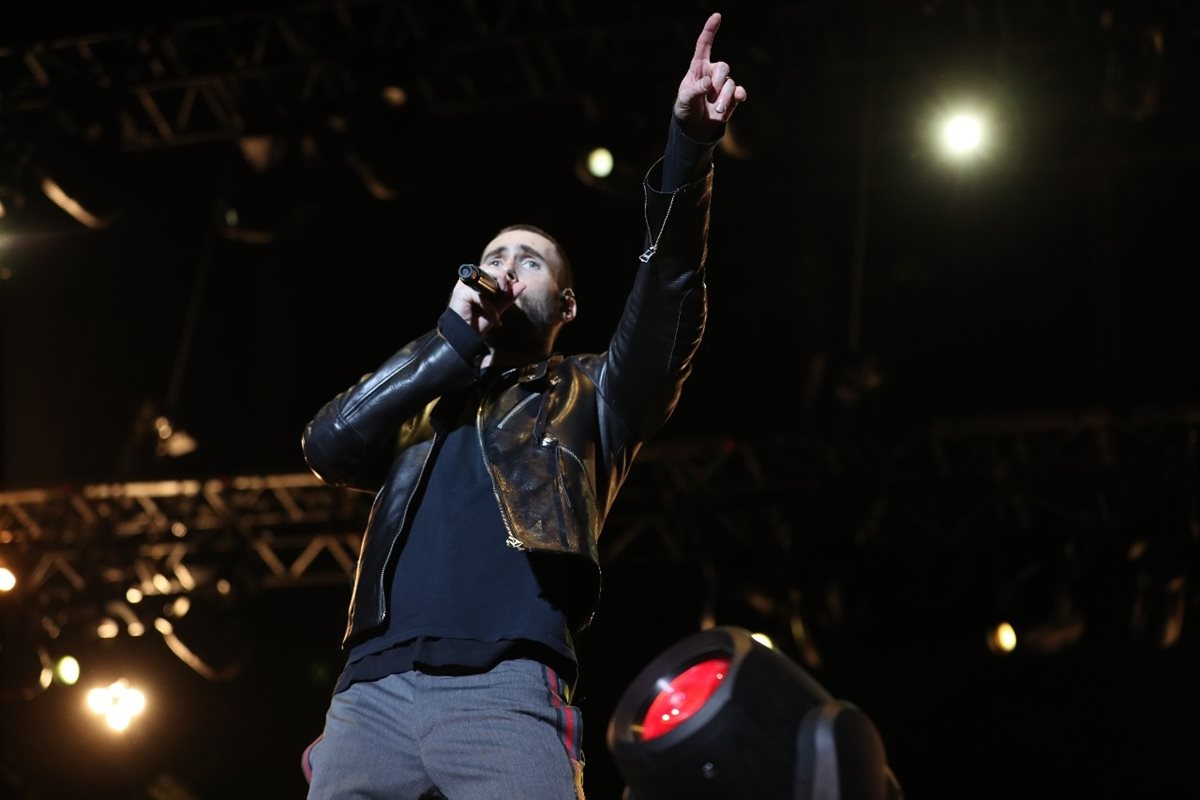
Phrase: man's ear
pixel 569 306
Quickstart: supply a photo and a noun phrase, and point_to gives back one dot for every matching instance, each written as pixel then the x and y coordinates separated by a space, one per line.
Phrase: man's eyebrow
pixel 527 250
pixel 523 249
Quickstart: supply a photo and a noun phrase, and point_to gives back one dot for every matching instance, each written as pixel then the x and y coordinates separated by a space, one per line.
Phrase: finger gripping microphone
pixel 477 279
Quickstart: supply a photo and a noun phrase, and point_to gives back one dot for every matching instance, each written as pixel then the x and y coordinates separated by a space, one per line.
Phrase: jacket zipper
pixel 512 541
pixel 646 256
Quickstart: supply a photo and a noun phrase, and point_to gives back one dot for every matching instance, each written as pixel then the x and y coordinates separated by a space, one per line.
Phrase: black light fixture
pixel 720 715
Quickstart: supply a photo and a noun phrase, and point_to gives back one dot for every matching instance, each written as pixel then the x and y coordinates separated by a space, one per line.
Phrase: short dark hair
pixel 565 276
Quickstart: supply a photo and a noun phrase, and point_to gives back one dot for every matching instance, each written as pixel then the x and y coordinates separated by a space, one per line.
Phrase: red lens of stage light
pixel 683 696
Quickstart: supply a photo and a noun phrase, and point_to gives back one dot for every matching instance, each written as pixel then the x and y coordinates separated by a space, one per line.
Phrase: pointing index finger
pixel 705 41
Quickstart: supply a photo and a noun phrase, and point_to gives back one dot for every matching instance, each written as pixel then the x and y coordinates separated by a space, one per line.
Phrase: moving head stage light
pixel 721 716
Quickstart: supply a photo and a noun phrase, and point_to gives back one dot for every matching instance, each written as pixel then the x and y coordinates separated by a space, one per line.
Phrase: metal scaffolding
pixel 186 81
pixel 768 511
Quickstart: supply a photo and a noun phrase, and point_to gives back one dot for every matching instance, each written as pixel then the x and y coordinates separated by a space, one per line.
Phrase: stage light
pixel 720 715
pixel 66 669
pixel 600 162
pixel 134 595
pixel 682 696
pixel 1002 638
pixel 962 134
pixel 118 703
pixel 602 169
pixel 9 568
pixel 172 441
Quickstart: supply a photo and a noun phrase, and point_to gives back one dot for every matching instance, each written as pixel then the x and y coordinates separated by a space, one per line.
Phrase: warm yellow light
pixel 8 580
pixel 962 135
pixel 97 700
pixel 133 595
pixel 107 629
pixel 181 606
pixel 394 96
pixel 67 670
pixel 118 703
pixel 134 701
pixel 1003 638
pixel 118 720
pixel 186 579
pixel 600 162
pixel 763 639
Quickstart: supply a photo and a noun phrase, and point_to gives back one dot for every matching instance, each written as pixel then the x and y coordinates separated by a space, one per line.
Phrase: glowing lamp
pixel 720 715
pixel 683 696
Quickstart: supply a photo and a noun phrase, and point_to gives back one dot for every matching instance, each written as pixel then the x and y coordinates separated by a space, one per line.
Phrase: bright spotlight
pixel 962 135
pixel 1002 638
pixel 600 162
pixel 118 703
pixel 720 715
pixel 8 580
pixel 67 670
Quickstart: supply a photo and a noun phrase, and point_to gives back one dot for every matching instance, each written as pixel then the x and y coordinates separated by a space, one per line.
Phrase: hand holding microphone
pixel 487 299
pixel 478 280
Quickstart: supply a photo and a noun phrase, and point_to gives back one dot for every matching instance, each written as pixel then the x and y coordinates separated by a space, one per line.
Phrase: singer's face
pixel 532 260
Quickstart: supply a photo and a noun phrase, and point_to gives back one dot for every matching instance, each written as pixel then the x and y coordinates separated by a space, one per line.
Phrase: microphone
pixel 477 279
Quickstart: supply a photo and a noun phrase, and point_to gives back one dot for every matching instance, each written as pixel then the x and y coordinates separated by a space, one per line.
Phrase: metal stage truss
pixel 169 82
pixel 764 505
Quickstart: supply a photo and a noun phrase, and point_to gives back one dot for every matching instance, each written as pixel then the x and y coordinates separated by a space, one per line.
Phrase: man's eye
pixel 530 263
pixel 495 262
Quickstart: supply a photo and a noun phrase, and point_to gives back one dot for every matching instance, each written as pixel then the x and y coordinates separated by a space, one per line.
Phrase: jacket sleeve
pixel 650 354
pixel 353 438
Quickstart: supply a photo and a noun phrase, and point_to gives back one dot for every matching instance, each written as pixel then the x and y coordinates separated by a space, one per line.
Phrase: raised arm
pixel 650 354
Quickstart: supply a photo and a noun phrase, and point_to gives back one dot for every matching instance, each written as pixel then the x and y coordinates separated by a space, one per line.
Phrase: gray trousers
pixel 506 734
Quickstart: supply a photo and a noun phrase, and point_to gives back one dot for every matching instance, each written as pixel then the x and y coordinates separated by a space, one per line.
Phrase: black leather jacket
pixel 558 436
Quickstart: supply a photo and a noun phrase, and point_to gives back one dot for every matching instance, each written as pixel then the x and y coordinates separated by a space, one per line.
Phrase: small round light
pixel 67 670
pixel 600 162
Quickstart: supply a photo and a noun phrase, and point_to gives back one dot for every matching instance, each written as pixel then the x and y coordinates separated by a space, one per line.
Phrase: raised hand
pixel 707 95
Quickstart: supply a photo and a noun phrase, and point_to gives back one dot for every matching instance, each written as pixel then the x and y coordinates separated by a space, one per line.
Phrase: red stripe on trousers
pixel 569 734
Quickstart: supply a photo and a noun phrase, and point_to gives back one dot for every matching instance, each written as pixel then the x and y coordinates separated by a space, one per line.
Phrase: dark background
pixel 961 393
